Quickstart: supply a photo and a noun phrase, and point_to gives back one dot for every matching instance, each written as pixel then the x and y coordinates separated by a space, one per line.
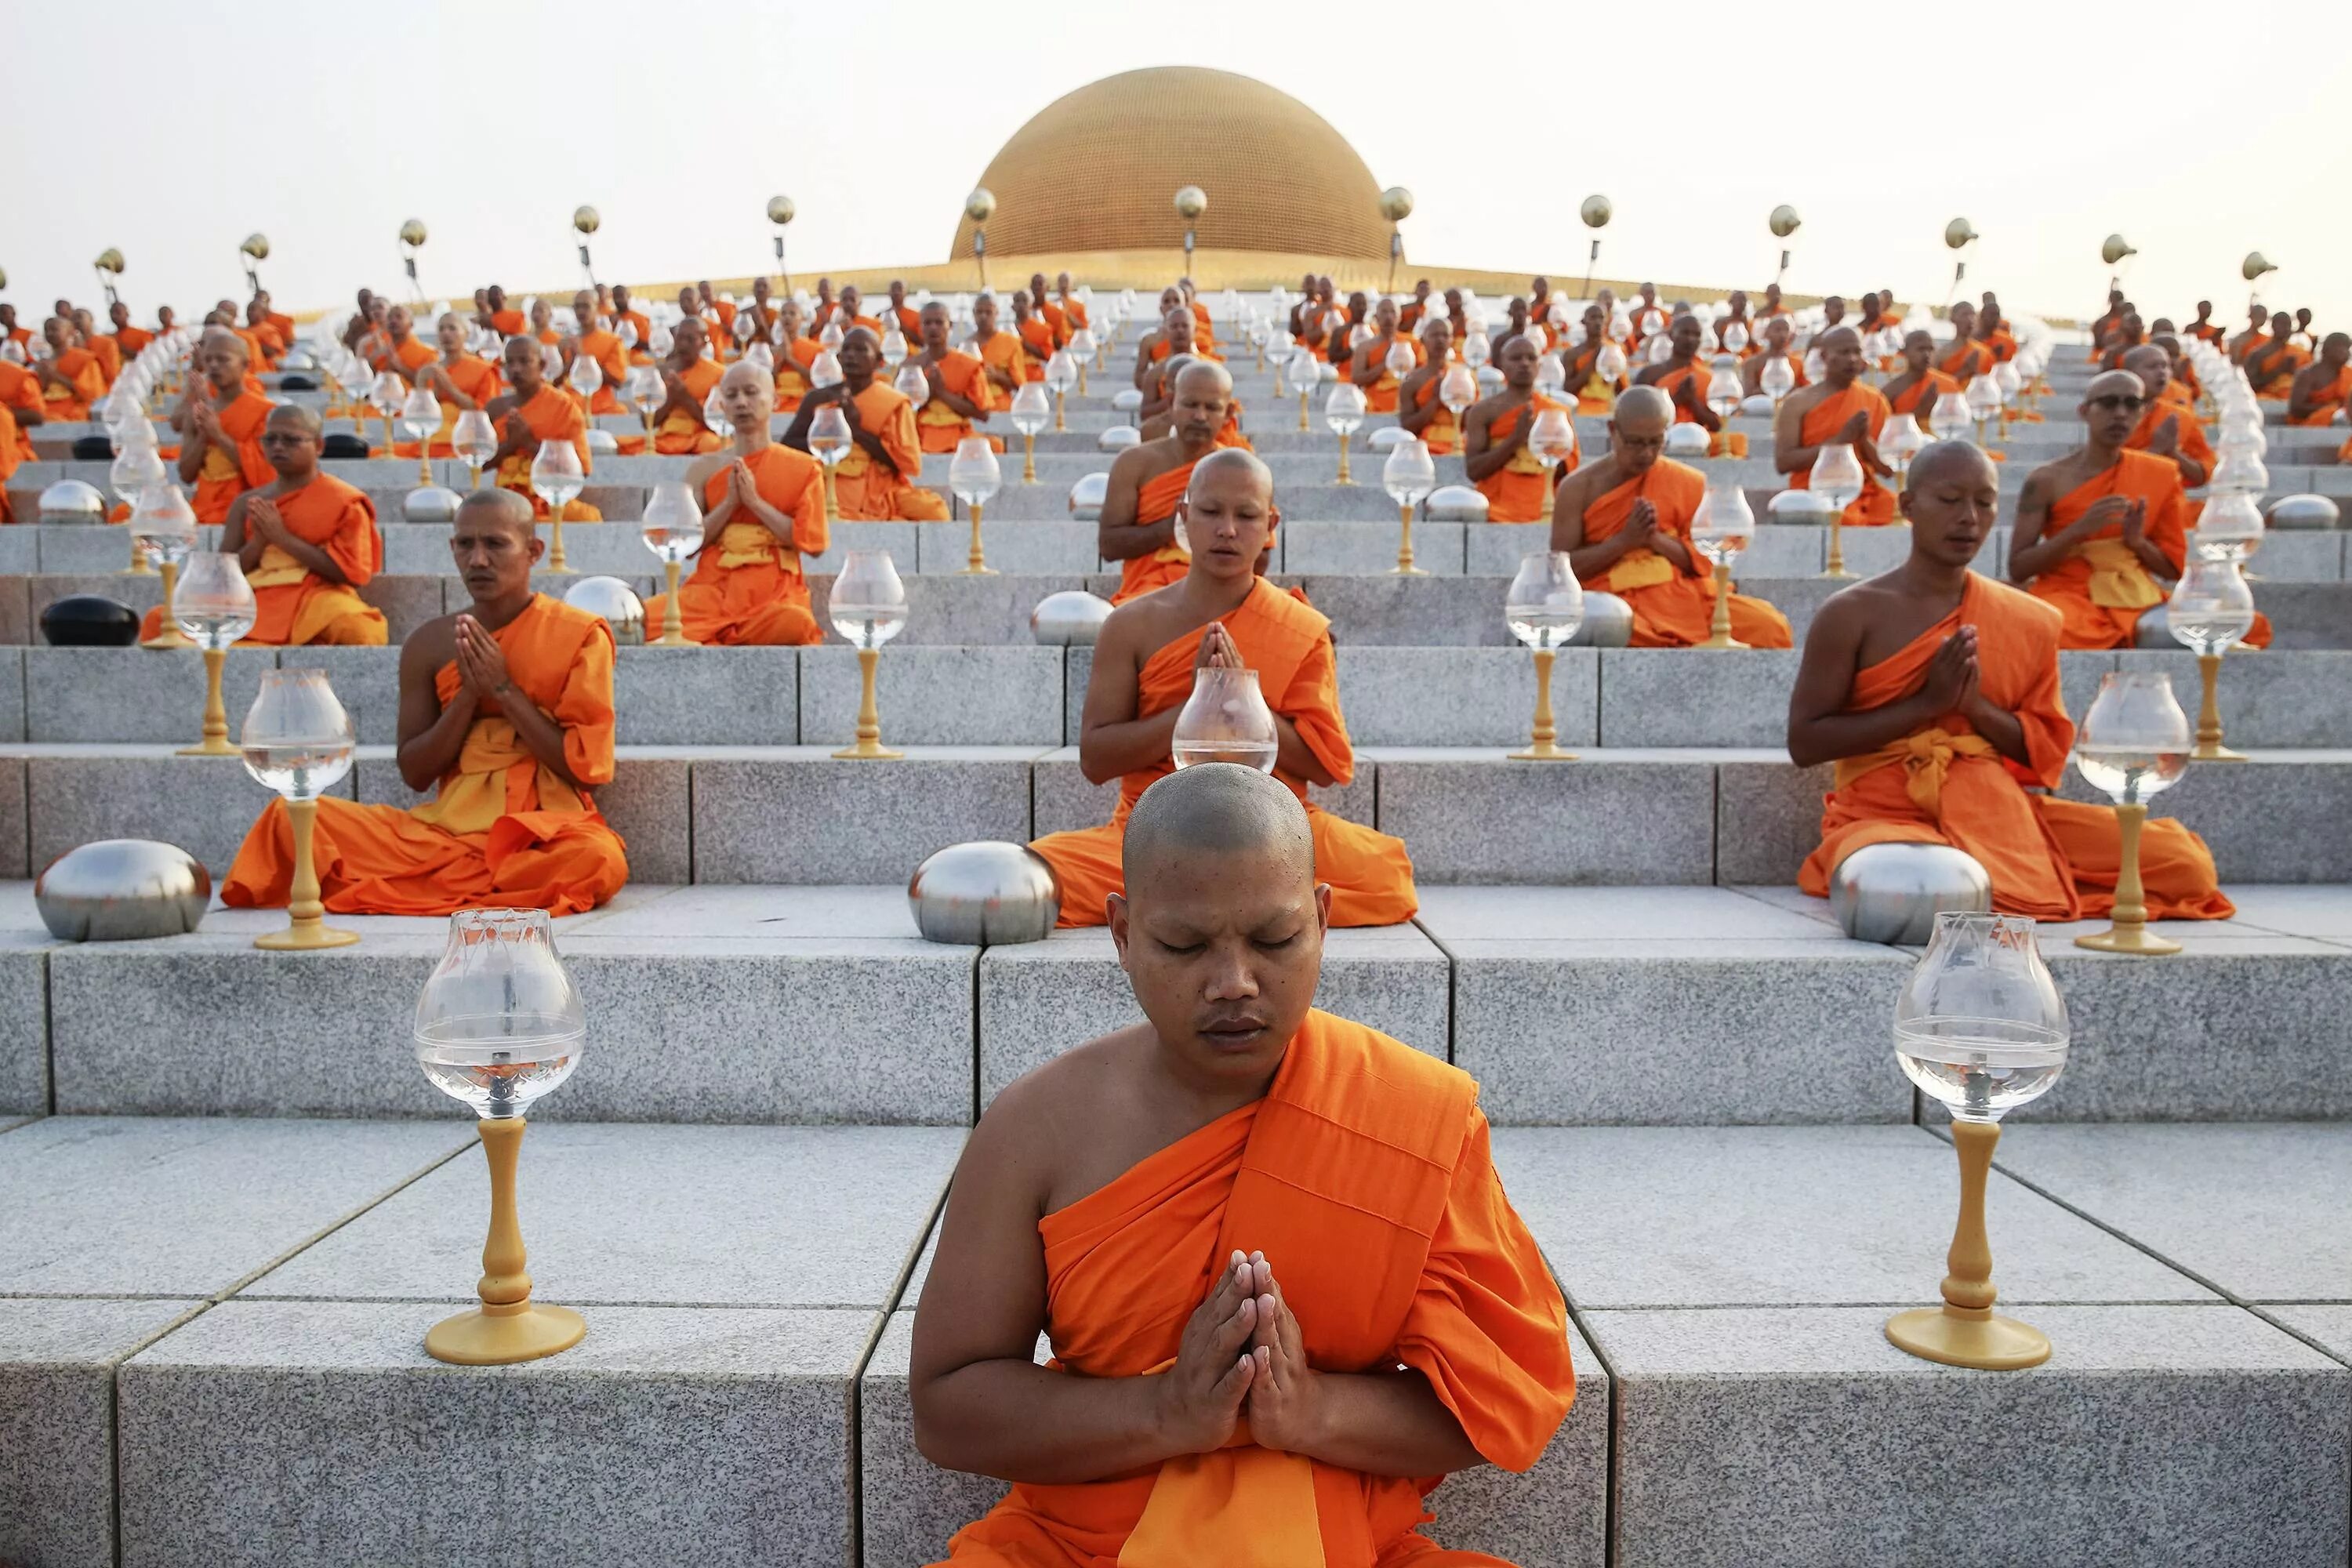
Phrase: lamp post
pixel 412 240
pixel 2111 250
pixel 2251 269
pixel 1783 222
pixel 980 206
pixel 1595 212
pixel 1190 203
pixel 1396 205
pixel 1958 234
pixel 110 267
pixel 781 211
pixel 254 249
pixel 586 221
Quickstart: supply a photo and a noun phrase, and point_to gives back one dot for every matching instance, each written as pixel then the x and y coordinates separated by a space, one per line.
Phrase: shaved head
pixel 1838 337
pixel 1217 808
pixel 1957 459
pixel 1644 408
pixel 1226 461
pixel 1208 374
pixel 2148 359
pixel 297 416
pixel 2111 383
pixel 493 508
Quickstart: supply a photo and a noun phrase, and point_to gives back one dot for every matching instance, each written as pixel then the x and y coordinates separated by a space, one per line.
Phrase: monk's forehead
pixel 1231 475
pixel 1198 374
pixel 295 417
pixel 1954 459
pixel 2109 381
pixel 1839 338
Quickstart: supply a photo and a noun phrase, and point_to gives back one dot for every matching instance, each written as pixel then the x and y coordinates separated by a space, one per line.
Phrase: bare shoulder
pixel 429 647
pixel 504 404
pixel 1586 482
pixel 1804 397
pixel 1051 1116
pixel 1142 462
pixel 698 472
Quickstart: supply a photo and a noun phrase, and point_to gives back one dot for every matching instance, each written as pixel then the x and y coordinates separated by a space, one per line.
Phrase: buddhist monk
pixel 718 314
pixel 1074 309
pixel 505 320
pixel 1421 407
pixel 460 380
pixel 20 395
pixel 999 352
pixel 1736 316
pixel 1875 317
pixel 220 422
pixel 71 378
pixel 898 313
pixel 1993 333
pixel 542 323
pixel 1687 383
pixel 1058 325
pixel 2125 336
pixel 274 343
pixel 1370 370
pixel 529 412
pixel 880 478
pixel 2167 428
pixel 506 713
pixel 404 354
pixel 1285 1288
pixel 2303 332
pixel 1221 613
pixel 1205 331
pixel 846 315
pixel 2205 326
pixel 1137 527
pixel 763 510
pixel 1841 410
pixel 2099 533
pixel 1624 520
pixel 2254 337
pixel 1581 364
pixel 10 331
pixel 1494 432
pixel 1153 345
pixel 2322 387
pixel 604 347
pixel 1915 388
pixel 1966 358
pixel 1416 309
pixel 1175 337
pixel 1833 317
pixel 2106 322
pixel 1935 692
pixel 1778 334
pixel 687 380
pixel 2273 364
pixel 1036 337
pixel 624 314
pixel 794 353
pixel 763 310
pixel 128 339
pixel 305 541
pixel 959 399
pixel 108 351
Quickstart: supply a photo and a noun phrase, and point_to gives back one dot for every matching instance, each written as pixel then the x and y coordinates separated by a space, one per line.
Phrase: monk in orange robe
pixel 506 707
pixel 2100 533
pixel 1841 410
pixel 1370 369
pixel 1915 388
pixel 274 343
pixel 2254 337
pixel 1236 1205
pixel 762 509
pixel 406 356
pixel 2168 426
pixel 794 354
pixel 305 541
pixel 1205 331
pixel 1687 383
pixel 1137 527
pixel 959 399
pixel 1775 339
pixel 542 323
pixel 1966 358
pixel 880 478
pixel 679 428
pixel 1421 407
pixel 220 424
pixel 639 337
pixel 1416 309
pixel 108 352
pixel 1036 337
pixel 130 339
pixel 718 314
pixel 71 379
pixel 12 448
pixel 1074 309
pixel 1176 336
pixel 1152 346
pixel 1047 310
pixel 531 412
pixel 1581 362
pixel 2273 364
pixel 461 380
pixel 2205 326
pixel 602 346
pixel 1494 432
pixel 1222 612
pixel 20 393
pixel 2322 387
pixel 1936 692
pixel 502 318
pixel 848 315
pixel 1000 352
pixel 1624 521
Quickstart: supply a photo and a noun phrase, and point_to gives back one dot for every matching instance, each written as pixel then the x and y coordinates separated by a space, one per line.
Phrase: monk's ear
pixel 1323 907
pixel 535 546
pixel 1115 908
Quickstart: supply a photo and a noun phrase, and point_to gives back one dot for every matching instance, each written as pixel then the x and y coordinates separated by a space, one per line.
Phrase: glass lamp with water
pixel 1544 607
pixel 557 478
pixel 2212 609
pixel 868 608
pixel 2134 746
pixel 672 529
pixel 1837 478
pixel 164 527
pixel 1723 526
pixel 214 606
pixel 1409 473
pixel 1343 410
pixel 298 741
pixel 1225 720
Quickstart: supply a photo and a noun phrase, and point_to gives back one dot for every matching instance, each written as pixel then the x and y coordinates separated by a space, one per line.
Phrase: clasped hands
pixel 1242 1355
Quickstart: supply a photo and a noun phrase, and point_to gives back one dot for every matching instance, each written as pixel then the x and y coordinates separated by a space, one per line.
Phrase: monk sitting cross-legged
pixel 2167 425
pixel 70 377
pixel 531 412
pixel 960 396
pixel 1624 520
pixel 2100 533
pixel 506 711
pixel 1370 369
pixel 2273 364
pixel 1285 1290
pixel 1148 482
pixel 679 429
pixel 1935 692
pixel 1494 439
pixel 219 420
pixel 460 380
pixel 1915 388
pixel 1686 383
pixel 1840 410
pixel 879 481
pixel 305 542
pixel 1222 612
pixel 2322 387
pixel 762 509
pixel 1421 405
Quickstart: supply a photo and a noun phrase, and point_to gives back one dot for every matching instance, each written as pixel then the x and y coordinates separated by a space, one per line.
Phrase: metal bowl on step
pixel 984 892
pixel 431 503
pixel 1892 893
pixel 1800 507
pixel 1607 622
pixel 122 890
pixel 88 620
pixel 2306 511
pixel 1686 440
pixel 1127 399
pixel 1071 616
pixel 1117 438
pixel 71 501
pixel 617 602
pixel 1454 503
pixel 1087 497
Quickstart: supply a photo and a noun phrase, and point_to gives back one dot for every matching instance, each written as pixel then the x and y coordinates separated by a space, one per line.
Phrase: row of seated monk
pixel 1933 689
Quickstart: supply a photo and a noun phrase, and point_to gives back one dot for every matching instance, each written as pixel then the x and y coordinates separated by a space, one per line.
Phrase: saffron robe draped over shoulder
pixel 227 475
pixel 2054 859
pixel 680 435
pixel 1289 645
pixel 749 586
pixel 475 376
pixel 1672 608
pixel 552 415
pixel 2102 588
pixel 1726 443
pixel 1366 1177
pixel 1515 492
pixel 1875 505
pixel 501 829
pixel 867 490
pixel 295 607
pixel 1156 503
pixel 942 429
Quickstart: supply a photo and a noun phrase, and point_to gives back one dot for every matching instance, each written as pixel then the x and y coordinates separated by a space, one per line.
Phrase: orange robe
pixel 1593 396
pixel 2001 344
pixel 273 342
pixel 1038 338
pixel 1200 349
pixel 1002 354
pixel 793 363
pixel 292 606
pixel 1724 443
pixel 1205 331
pixel 109 358
pixel 1966 361
pixel 1441 434
pixel 2331 397
pixel 2054 859
pixel 748 587
pixel 1918 399
pixel 1875 505
pixel 1156 503
pixel 2273 374
pixel 1073 311
pixel 2209 331
pixel 640 354
pixel 1289 646
pixel 865 490
pixel 509 322
pixel 2102 589
pixel 1366 1175
pixel 475 376
pixel 679 436
pixel 553 415
pixel 940 427
pixel 19 388
pixel 1671 608
pixel 2193 444
pixel 131 341
pixel 501 828
pixel 1380 397
pixel 414 355
pixel 604 348
pixel 228 475
pixel 11 438
pixel 1516 491
pixel 1051 314
pixel 70 405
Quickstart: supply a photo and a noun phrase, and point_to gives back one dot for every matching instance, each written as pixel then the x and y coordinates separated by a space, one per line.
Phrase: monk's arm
pixel 1413 416
pixel 1117 536
pixel 2302 402
pixel 1366 371
pixel 1819 731
pixel 541 734
pixel 1568 531
pixel 2004 730
pixel 796 434
pixel 311 557
pixel 1790 454
pixel 431 735
pixel 1112 741
pixel 236 538
pixel 697 478
pixel 2031 555
pixel 681 400
pixel 955 402
pixel 1481 458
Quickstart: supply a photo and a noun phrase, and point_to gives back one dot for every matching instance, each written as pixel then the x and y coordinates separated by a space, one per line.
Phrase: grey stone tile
pixel 2272 819
pixel 707 696
pixel 625 1214
pixel 1689 697
pixel 897 538
pixel 407 603
pixel 2267 698
pixel 1782 1216
pixel 1040 999
pixel 12 693
pixel 2324 913
pixel 1462 695
pixel 56 1423
pixel 2330 1327
pixel 1370 548
pixel 204 805
pixel 738 911
pixel 1480 818
pixel 1768 819
pixel 2155 1435
pixel 283 1434
pixel 108 694
pixel 1054 545
pixel 171 1207
pixel 15 836
pixel 1413 612
pixel 947 609
pixel 1700 916
pixel 754 821
pixel 1005 695
pixel 25 1021
pixel 2257 1210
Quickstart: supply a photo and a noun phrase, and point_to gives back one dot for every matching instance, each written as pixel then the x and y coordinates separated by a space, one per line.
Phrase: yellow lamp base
pixel 673 637
pixel 1720 639
pixel 2128 939
pixel 491 1336
pixel 976 572
pixel 867 751
pixel 211 746
pixel 304 937
pixel 1989 1343
pixel 2205 751
pixel 1840 575
pixel 171 637
pixel 1543 751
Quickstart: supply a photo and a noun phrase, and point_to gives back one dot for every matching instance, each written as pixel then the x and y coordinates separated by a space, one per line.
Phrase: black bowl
pixel 93 449
pixel 345 445
pixel 89 620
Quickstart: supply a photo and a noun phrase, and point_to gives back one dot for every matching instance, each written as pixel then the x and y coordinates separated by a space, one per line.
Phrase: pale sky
pixel 2199 132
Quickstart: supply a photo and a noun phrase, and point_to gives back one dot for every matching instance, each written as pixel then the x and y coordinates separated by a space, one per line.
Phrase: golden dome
pixel 1098 169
